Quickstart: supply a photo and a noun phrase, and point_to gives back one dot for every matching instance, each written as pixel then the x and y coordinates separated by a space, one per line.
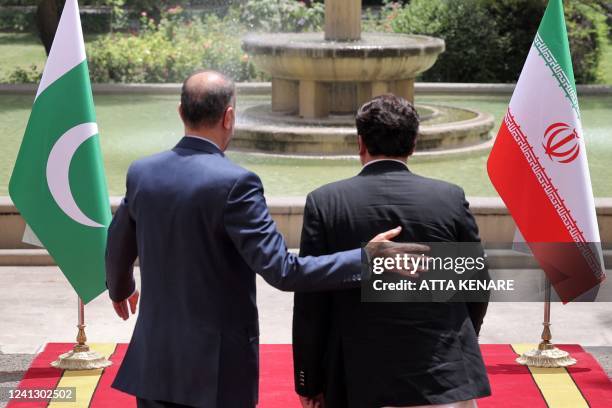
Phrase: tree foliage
pixel 488 40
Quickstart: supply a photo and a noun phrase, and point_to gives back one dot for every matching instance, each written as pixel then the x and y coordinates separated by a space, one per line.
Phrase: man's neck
pixel 209 136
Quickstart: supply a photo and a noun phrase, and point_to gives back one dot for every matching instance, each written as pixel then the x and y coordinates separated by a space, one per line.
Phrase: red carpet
pixel 583 385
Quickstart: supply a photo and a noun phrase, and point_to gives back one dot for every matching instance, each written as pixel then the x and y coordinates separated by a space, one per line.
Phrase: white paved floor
pixel 37 305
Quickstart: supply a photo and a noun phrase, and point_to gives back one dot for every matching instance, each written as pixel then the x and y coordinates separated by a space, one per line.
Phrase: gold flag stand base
pixel 549 357
pixel 81 357
pixel 546 355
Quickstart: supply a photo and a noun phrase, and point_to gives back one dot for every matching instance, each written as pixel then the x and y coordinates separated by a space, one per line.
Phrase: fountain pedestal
pixel 342 20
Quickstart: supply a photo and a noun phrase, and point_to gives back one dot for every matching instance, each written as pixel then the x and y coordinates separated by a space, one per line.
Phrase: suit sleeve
pixel 121 253
pixel 468 232
pixel 250 227
pixel 311 313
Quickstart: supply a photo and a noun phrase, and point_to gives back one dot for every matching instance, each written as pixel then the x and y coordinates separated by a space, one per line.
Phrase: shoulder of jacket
pixel 333 188
pixel 439 185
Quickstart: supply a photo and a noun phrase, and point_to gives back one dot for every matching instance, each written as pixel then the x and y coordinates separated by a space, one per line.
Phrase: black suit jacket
pixel 386 354
pixel 201 229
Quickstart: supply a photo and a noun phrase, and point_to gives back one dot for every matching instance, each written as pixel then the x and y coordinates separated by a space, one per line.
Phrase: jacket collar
pixel 200 144
pixel 383 166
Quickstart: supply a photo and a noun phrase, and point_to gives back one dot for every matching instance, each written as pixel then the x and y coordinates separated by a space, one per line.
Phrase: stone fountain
pixel 319 80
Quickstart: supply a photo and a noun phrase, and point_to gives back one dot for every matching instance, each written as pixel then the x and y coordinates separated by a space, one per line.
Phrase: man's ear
pixel 228 117
pixel 180 110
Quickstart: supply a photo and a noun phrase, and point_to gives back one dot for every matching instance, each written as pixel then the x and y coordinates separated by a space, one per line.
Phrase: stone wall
pixel 496 225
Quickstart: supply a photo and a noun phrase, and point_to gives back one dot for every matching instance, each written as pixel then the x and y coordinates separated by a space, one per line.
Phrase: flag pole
pixel 546 355
pixel 81 336
pixel 81 357
pixel 545 344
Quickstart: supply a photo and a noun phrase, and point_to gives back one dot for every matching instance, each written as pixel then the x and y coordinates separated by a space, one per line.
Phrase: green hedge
pixel 169 52
pixel 473 44
pixel 488 40
pixel 182 41
pixel 588 36
pixel 17 20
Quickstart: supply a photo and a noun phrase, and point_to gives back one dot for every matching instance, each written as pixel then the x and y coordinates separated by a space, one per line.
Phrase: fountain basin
pixel 374 57
pixel 443 129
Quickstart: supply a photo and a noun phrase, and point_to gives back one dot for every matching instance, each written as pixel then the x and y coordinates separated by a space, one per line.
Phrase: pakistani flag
pixel 539 164
pixel 58 182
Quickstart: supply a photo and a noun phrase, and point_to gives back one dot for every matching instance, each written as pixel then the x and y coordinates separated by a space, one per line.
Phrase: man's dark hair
pixel 203 104
pixel 388 125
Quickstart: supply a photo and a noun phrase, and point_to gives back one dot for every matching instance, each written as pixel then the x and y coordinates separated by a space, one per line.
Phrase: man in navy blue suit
pixel 201 229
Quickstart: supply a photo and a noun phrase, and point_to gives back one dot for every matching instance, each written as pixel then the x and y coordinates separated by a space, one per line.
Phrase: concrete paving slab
pixel 38 305
pixel 12 369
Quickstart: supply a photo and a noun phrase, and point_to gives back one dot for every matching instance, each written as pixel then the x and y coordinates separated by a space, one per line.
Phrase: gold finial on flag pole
pixel 81 357
pixel 546 355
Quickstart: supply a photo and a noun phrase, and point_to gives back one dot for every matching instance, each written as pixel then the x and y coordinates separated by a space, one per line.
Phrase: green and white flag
pixel 58 182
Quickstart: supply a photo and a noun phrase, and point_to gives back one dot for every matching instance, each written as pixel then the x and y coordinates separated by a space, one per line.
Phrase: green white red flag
pixel 58 182
pixel 539 167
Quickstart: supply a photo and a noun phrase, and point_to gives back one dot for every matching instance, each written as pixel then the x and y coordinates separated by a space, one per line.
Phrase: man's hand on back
pixel 381 246
pixel 126 306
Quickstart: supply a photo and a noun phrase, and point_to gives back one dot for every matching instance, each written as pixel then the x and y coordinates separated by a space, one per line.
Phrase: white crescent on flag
pixel 58 171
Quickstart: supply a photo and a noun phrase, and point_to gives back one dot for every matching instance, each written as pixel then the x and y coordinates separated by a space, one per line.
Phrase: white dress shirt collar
pixel 380 160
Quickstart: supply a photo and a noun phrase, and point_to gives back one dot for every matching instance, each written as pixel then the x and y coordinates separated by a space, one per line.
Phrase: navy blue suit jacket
pixel 201 229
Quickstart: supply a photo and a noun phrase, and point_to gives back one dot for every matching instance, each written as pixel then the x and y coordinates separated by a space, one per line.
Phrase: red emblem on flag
pixel 561 143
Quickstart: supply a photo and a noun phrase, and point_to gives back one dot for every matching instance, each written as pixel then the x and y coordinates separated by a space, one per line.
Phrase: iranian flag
pixel 58 182
pixel 539 165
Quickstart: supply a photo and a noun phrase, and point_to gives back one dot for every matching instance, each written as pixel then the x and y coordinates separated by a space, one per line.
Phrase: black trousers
pixel 147 403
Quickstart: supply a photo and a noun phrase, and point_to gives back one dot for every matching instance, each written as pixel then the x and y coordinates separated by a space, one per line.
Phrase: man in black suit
pixel 353 354
pixel 200 226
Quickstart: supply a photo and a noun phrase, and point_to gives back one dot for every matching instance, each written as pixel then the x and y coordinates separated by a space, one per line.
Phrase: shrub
pixel 381 19
pixel 17 20
pixel 473 44
pixel 282 15
pixel 586 31
pixel 21 75
pixel 517 22
pixel 587 35
pixel 170 51
pixel 488 40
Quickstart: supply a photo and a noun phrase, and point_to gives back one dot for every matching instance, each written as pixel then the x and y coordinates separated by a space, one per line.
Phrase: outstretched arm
pixel 253 232
pixel 250 227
